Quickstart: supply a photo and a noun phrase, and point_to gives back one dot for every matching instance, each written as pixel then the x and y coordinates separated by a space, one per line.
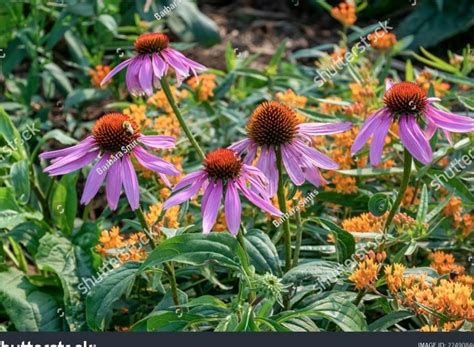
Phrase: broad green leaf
pixel 11 143
pixel 100 300
pixel 345 243
pixel 57 254
pixel 197 249
pixel 28 308
pixel 19 174
pixel 262 252
pixel 390 319
pixel 423 206
pixel 63 203
pixel 313 272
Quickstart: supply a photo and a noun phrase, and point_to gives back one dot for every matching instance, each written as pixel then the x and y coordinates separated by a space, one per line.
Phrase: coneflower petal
pixel 83 146
pixel 94 180
pixel 145 76
pixel 159 66
pixel 114 184
pixel 130 182
pixel 314 129
pixel 77 164
pixel 449 121
pixel 154 163
pixel 367 129
pixel 430 129
pixel 189 179
pixel 313 175
pixel 378 141
pixel 319 159
pixel 185 194
pixel 115 70
pixel 241 145
pixel 233 208
pixel 267 164
pixel 414 140
pixel 211 201
pixel 292 167
pixel 131 77
pixel 256 200
pixel 158 141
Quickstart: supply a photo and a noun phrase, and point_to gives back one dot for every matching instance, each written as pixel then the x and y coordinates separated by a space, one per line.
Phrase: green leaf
pixel 11 142
pixel 63 204
pixel 58 75
pixel 316 271
pixel 345 243
pixel 170 321
pixel 409 71
pixel 379 204
pixel 82 96
pixel 19 174
pixel 262 252
pixel 371 171
pixel 468 102
pixel 28 234
pixel 59 136
pixel 114 285
pixel 230 57
pixel 57 254
pixel 389 320
pixel 197 249
pixel 423 206
pixel 275 61
pixel 28 308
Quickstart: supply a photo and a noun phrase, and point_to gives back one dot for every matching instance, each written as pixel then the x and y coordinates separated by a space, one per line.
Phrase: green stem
pixel 359 297
pixel 282 204
pixel 299 237
pixel 403 186
pixel 169 266
pixel 240 238
pixel 169 95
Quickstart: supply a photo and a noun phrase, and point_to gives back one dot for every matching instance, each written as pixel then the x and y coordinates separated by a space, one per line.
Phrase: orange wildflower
pixel 345 13
pixel 97 75
pixel 382 40
pixel 203 85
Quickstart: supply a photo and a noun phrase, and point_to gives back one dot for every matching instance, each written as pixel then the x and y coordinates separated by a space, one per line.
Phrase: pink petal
pixel 94 180
pixel 233 208
pixel 367 129
pixel 130 182
pixel 185 194
pixel 145 76
pixel 115 70
pixel 77 164
pixel 378 141
pixel 153 163
pixel 313 129
pixel 85 145
pixel 114 184
pixel 210 205
pixel 414 140
pixel 292 166
pixel 318 159
pixel 257 200
pixel 158 141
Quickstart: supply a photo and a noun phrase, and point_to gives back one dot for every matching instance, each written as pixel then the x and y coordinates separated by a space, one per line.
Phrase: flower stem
pixel 240 238
pixel 403 186
pixel 169 266
pixel 299 237
pixel 169 95
pixel 282 205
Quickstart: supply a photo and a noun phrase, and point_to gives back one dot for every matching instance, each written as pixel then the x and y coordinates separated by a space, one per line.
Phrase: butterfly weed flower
pixel 115 139
pixel 274 127
pixel 407 104
pixel 152 60
pixel 223 175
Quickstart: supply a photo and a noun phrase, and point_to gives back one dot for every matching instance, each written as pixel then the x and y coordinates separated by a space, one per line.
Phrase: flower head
pixel 274 127
pixel 115 139
pixel 224 175
pixel 365 274
pixel 407 104
pixel 345 13
pixel 153 59
pixel 382 40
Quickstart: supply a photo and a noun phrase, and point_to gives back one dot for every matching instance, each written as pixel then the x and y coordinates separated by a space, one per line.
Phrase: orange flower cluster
pixel 445 263
pixel 464 222
pixel 408 197
pixel 137 113
pixel 345 13
pixel 394 276
pixel 294 101
pixel 425 80
pixel 330 107
pixel 367 223
pixel 367 270
pixel 112 244
pixel 203 85
pixel 97 75
pixel 449 326
pixel 382 40
pixel 169 220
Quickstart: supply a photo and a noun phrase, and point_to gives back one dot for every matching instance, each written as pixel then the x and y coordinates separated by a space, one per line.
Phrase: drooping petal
pixel 378 141
pixel 94 180
pixel 265 205
pixel 176 63
pixel 314 129
pixel 71 166
pixel 313 175
pixel 241 145
pixel 430 129
pixel 115 70
pixel 131 77
pixel 252 170
pixel 145 76
pixel 159 66
pixel 154 163
pixel 233 208
pixel 158 141
pixel 189 179
pixel 267 164
pixel 414 140
pixel 130 182
pixel 450 121
pixel 367 129
pixel 185 194
pixel 292 166
pixel 211 201
pixel 83 146
pixel 114 184
pixel 318 159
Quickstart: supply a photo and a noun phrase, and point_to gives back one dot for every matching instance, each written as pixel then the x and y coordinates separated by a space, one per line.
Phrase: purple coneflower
pixel 224 173
pixel 273 126
pixel 151 63
pixel 407 103
pixel 115 138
